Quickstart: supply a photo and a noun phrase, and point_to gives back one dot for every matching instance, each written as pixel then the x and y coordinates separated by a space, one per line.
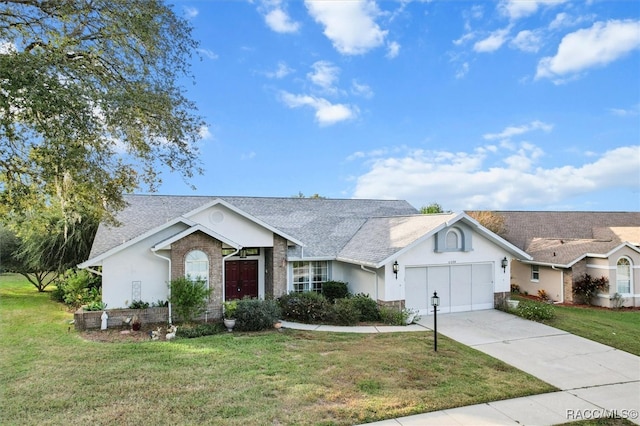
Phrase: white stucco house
pixel 266 247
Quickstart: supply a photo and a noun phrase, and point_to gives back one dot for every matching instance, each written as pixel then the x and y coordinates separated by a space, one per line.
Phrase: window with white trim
pixel 196 266
pixel 309 276
pixel 623 276
pixel 535 273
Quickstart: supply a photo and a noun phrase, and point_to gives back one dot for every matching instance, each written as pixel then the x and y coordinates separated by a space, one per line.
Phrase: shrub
pixel 367 306
pixel 334 290
pixel 96 305
pixel 307 307
pixel 160 304
pixel 200 330
pixel 256 314
pixel 542 294
pixel 587 287
pixel 138 304
pixel 189 298
pixel 617 301
pixel 392 316
pixel 535 311
pixel 345 312
pixel 515 289
pixel 78 287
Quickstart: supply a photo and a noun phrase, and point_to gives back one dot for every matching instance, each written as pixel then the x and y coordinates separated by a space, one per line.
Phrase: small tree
pixel 431 209
pixel 189 297
pixel 587 287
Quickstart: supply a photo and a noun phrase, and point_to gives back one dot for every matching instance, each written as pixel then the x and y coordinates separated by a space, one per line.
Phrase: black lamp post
pixel 435 302
pixel 395 268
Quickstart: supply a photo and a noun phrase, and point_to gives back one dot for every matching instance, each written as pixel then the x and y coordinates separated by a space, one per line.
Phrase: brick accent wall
pixel 278 267
pixel 395 304
pixel 213 249
pixel 87 320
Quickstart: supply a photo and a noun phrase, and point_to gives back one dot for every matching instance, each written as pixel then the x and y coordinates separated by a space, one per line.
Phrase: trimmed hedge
pixel 256 314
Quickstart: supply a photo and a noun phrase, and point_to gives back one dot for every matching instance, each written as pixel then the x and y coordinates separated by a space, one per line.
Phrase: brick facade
pixel 279 267
pixel 213 250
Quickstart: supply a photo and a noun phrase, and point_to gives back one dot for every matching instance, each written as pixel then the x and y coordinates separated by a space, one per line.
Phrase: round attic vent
pixel 216 217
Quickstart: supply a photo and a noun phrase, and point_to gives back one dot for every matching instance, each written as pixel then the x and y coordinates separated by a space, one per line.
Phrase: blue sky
pixel 513 105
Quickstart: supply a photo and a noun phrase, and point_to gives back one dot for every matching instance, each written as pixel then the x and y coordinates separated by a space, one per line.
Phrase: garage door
pixel 460 287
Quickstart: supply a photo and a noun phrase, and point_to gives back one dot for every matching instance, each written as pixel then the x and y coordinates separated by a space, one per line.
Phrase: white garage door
pixel 460 287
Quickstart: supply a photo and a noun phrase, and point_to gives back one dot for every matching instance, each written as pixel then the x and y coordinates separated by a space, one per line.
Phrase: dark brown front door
pixel 241 279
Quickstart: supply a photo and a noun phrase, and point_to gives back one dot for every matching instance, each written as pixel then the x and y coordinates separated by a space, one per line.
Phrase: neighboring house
pixel 267 247
pixel 567 245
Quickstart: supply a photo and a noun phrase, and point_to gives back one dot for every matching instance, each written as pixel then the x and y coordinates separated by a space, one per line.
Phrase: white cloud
pixel 460 180
pixel 361 90
pixel 190 12
pixel 282 71
pixel 527 41
pixel 208 53
pixel 516 9
pixel 599 45
pixel 350 25
pixel 276 16
pixel 511 131
pixel 280 22
pixel 205 133
pixel 630 112
pixel 326 113
pixel 393 50
pixel 492 43
pixel 7 47
pixel 324 75
pixel 464 69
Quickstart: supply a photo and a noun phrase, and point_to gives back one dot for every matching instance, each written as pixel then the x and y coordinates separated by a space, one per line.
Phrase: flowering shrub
pixel 535 311
pixel 587 287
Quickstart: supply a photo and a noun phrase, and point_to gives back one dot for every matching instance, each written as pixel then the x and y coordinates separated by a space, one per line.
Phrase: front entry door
pixel 241 279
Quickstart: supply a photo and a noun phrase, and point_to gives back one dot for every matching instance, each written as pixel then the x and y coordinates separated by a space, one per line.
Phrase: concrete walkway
pixel 595 380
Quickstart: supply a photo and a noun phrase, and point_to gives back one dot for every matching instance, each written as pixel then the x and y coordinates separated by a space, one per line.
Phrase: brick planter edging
pixel 86 320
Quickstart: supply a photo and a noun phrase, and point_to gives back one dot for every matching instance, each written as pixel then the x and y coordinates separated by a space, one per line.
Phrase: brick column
pixel 279 266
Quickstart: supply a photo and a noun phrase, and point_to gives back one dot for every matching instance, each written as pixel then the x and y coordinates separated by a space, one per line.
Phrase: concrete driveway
pixel 588 372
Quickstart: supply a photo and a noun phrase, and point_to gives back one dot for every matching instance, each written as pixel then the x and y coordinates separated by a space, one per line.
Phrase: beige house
pixel 566 245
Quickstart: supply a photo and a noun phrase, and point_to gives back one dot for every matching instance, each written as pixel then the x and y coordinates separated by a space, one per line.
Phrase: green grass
pixel 51 375
pixel 615 328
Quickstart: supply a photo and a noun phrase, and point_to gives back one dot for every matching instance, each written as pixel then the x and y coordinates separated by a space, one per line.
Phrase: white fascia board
pixel 605 255
pixel 98 259
pixel 553 265
pixel 310 259
pixel 357 262
pixel 219 201
pixel 199 227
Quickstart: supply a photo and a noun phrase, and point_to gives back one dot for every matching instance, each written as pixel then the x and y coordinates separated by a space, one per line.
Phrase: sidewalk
pixel 595 380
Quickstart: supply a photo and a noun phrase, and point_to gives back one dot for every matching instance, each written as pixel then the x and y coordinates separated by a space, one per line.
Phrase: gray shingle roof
pixel 379 238
pixel 562 237
pixel 323 225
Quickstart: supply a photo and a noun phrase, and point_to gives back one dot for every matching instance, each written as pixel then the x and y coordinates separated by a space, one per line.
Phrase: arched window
pixel 196 266
pixel 453 239
pixel 623 276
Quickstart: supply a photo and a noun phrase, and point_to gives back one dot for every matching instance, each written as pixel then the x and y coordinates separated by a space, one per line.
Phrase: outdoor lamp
pixel 395 268
pixel 435 299
pixel 505 262
pixel 435 302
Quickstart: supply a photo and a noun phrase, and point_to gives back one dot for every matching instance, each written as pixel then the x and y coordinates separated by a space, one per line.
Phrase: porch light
pixel 505 262
pixel 395 268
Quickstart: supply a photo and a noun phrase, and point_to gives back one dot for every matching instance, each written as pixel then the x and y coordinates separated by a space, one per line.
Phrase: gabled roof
pixel 562 238
pixel 382 239
pixel 323 226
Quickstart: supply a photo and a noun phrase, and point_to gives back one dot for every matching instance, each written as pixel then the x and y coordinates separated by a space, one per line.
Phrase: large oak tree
pixel 91 103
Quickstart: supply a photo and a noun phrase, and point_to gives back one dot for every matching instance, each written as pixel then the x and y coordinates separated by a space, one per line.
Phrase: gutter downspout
pixel 561 282
pixel 168 259
pixel 376 274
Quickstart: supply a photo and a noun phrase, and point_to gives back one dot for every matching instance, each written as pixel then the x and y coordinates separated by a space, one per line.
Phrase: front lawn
pixel 50 374
pixel 617 328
